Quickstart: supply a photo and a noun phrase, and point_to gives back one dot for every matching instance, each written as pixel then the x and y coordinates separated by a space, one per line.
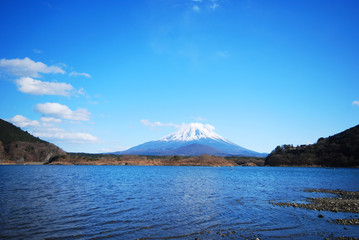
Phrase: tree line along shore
pixel 110 159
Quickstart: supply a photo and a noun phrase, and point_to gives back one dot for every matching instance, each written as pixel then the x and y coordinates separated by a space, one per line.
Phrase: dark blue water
pixel 130 202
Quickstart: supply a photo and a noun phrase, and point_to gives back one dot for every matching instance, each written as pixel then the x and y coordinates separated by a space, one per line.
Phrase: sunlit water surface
pixel 130 202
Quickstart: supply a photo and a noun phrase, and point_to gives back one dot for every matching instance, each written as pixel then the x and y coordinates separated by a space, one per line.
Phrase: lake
pixel 164 202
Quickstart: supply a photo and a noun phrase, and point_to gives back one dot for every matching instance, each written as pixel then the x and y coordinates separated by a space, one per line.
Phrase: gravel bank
pixel 344 201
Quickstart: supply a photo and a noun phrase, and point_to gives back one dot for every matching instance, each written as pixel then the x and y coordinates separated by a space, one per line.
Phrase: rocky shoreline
pixel 344 221
pixel 345 201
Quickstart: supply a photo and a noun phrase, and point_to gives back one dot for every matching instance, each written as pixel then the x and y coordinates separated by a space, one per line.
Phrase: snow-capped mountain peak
pixel 193 131
pixel 191 139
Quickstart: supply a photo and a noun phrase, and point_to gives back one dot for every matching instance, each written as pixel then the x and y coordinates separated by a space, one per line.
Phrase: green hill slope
pixel 340 150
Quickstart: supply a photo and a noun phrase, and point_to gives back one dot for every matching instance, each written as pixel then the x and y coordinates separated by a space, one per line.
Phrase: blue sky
pixel 96 76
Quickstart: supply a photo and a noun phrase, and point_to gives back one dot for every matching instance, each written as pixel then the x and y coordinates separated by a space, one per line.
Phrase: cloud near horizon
pixel 27 67
pixel 58 110
pixel 356 103
pixel 62 134
pixel 45 129
pixel 23 122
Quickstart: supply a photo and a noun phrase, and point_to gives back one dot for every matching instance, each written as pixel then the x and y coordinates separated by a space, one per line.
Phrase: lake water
pixel 160 202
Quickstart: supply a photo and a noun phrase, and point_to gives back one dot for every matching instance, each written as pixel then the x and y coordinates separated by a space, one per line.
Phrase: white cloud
pixel 197 0
pixel 46 130
pixel 196 8
pixel 26 70
pixel 62 134
pixel 58 110
pixel 146 122
pixel 37 87
pixel 356 103
pixel 23 122
pixel 50 120
pixel 27 67
pixel 75 74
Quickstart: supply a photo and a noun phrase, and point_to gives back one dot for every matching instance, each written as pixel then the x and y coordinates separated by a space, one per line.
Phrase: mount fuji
pixel 192 139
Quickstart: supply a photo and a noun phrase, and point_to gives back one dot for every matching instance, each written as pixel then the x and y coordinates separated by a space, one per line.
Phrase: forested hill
pixel 19 145
pixel 10 133
pixel 340 150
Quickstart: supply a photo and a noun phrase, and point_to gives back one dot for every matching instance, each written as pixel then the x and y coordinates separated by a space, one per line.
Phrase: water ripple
pixel 128 202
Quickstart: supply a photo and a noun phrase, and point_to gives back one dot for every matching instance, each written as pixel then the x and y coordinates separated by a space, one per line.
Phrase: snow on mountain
pixel 200 136
pixel 193 131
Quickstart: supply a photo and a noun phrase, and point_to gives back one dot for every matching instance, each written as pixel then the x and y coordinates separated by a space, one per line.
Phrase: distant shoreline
pixel 184 165
pixel 23 163
pixel 140 160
